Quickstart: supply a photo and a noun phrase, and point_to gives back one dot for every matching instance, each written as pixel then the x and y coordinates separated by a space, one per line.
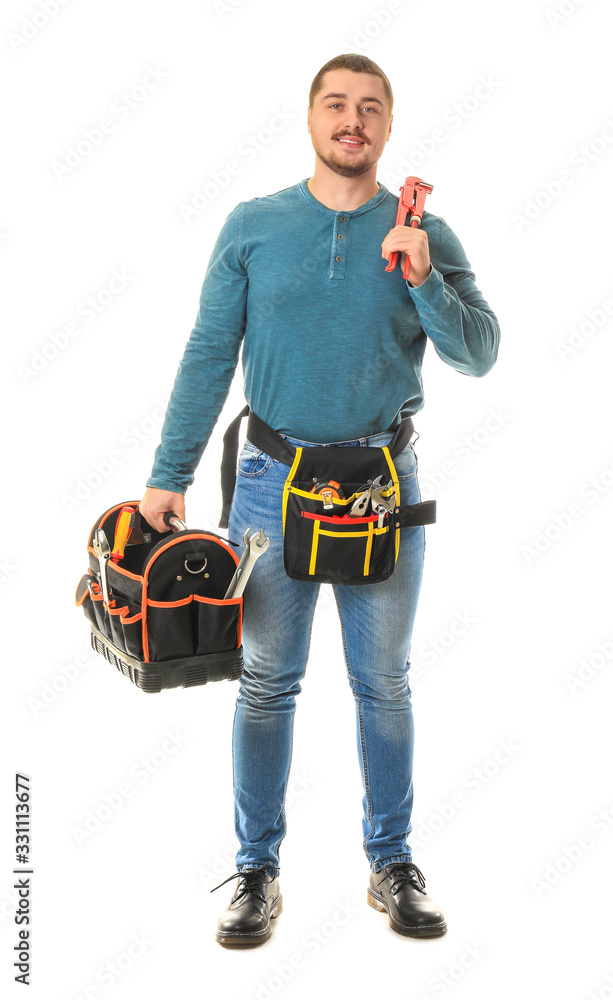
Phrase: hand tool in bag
pixel 360 504
pixel 103 551
pixel 255 546
pixel 328 488
pixel 412 199
pixel 159 615
pixel 321 548
pixel 122 533
pixel 382 505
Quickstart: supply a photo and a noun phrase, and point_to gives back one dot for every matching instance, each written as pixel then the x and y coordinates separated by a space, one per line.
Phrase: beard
pixel 345 165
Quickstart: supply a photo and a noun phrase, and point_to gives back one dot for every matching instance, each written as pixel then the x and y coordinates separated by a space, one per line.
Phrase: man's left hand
pixel 413 242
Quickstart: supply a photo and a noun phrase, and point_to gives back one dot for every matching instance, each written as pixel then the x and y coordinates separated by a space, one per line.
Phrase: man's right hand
pixel 155 503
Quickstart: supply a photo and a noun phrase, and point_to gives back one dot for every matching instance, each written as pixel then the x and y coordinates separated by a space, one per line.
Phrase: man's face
pixel 350 106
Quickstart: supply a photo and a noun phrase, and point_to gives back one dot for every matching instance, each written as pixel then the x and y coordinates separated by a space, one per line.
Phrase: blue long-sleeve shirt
pixel 332 342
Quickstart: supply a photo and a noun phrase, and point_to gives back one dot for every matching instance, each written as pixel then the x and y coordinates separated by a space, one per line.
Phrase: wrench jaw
pixel 360 504
pixel 255 546
pixel 103 551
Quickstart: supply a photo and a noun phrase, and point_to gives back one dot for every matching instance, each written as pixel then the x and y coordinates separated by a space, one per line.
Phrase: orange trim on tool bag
pixel 118 569
pixel 176 540
pixel 101 520
pixel 171 604
pixel 123 612
pixel 214 600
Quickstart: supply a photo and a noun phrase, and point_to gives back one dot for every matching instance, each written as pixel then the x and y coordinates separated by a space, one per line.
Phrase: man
pixel 332 353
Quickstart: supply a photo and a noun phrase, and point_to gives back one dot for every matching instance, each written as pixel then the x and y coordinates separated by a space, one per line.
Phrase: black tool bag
pixel 321 541
pixel 167 623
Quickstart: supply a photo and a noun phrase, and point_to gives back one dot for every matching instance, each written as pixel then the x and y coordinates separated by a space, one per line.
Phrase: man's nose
pixel 354 120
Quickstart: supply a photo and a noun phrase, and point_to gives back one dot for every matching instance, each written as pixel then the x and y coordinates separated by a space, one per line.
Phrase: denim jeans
pixel 376 625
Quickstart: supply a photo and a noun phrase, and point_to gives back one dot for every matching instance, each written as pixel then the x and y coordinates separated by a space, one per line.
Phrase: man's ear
pixel 308 119
pixel 390 128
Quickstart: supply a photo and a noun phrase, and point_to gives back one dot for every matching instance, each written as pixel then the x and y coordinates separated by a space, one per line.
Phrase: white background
pixel 515 845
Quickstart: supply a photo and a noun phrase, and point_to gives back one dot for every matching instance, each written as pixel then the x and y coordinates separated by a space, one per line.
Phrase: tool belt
pixel 165 623
pixel 322 541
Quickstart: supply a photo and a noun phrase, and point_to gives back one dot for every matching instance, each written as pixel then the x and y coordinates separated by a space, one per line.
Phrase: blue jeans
pixel 376 624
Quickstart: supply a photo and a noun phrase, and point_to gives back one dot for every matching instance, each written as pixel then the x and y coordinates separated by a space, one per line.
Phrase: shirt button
pixel 340 236
pixel 339 258
pixel 343 218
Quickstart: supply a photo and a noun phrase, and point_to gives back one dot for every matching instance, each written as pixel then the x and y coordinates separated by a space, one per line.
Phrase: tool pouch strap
pixel 265 438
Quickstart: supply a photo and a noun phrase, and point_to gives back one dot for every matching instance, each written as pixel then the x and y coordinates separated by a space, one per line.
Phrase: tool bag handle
pixel 269 441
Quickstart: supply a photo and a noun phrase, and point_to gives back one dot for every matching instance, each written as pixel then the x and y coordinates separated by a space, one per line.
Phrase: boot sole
pixel 253 937
pixel 419 930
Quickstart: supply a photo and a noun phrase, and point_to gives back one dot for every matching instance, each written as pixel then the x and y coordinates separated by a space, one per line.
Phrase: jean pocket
pixel 406 464
pixel 252 462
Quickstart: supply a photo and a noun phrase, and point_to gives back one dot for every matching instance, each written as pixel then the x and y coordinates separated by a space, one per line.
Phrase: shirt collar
pixel 373 202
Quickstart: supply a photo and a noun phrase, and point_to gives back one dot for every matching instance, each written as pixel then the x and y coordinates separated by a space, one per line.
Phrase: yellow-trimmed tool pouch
pixel 322 541
pixel 166 622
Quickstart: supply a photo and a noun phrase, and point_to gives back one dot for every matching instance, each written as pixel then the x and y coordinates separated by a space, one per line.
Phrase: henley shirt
pixel 332 343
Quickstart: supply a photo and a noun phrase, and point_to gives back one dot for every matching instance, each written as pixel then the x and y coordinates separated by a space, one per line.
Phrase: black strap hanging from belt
pixel 263 436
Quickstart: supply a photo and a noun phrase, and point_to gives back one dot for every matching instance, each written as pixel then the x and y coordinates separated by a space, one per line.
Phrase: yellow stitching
pixel 286 487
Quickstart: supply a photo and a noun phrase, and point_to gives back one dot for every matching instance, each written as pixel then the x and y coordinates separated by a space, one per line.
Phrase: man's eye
pixel 367 107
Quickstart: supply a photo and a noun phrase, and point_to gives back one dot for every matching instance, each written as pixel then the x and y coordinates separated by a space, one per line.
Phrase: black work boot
pixel 400 891
pixel 246 919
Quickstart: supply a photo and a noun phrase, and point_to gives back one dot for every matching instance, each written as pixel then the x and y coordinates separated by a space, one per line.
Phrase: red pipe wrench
pixel 412 198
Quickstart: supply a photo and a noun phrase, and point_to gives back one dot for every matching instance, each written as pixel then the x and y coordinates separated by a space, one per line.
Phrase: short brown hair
pixel 358 64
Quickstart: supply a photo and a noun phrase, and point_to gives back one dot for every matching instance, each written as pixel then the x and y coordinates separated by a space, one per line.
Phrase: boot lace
pixel 250 881
pixel 403 872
